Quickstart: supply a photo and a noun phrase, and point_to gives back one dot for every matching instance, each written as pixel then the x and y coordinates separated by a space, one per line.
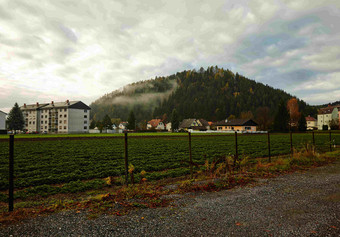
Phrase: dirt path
pixel 300 204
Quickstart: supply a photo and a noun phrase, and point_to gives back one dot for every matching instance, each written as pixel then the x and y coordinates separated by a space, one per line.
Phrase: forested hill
pixel 212 94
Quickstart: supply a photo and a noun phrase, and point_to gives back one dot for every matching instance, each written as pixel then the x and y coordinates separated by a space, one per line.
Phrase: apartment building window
pixel 41 127
pixel 60 127
pixel 65 110
pixel 85 110
pixel 60 110
pixel 33 122
pixel 42 122
pixel 30 122
pixel 45 116
pixel 42 116
pixel 45 127
pixel 60 121
pixel 46 121
pixel 85 122
pixel 61 116
pixel 65 115
pixel 85 116
pixel 65 121
pixel 85 127
pixel 64 127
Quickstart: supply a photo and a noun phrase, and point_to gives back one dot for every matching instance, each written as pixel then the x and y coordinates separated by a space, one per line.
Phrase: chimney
pixel 24 105
pixel 37 104
pixel 52 103
pixel 68 102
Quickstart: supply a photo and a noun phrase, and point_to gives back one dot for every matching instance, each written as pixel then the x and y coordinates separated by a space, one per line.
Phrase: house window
pixel 247 128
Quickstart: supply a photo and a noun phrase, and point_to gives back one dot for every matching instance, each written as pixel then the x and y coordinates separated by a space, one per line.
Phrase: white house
pixel 2 122
pixel 326 115
pixel 311 123
pixel 155 124
pixel 59 117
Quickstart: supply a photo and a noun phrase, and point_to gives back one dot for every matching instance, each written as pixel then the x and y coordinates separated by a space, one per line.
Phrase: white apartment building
pixel 327 114
pixel 57 117
pixel 2 122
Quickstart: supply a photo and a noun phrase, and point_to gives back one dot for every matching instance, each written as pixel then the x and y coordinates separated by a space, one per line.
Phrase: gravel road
pixel 299 204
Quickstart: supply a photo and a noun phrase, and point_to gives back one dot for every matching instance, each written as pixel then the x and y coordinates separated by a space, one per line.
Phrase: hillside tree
pixel 107 123
pixel 174 120
pixel 131 121
pixel 302 126
pixel 281 119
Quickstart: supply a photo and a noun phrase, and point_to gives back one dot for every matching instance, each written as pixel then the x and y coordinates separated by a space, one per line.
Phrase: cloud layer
pixel 58 50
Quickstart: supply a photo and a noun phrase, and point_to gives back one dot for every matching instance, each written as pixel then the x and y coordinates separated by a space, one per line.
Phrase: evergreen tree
pixel 93 124
pixel 107 123
pixel 15 120
pixel 131 121
pixel 174 120
pixel 281 118
pixel 302 123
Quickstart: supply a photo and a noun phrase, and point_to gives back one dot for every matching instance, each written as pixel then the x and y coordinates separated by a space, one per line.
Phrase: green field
pixel 62 160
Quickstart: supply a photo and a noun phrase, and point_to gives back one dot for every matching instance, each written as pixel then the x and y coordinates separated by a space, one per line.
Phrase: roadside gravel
pixel 299 204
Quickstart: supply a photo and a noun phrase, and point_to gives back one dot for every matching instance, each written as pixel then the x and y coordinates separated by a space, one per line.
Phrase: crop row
pixel 62 161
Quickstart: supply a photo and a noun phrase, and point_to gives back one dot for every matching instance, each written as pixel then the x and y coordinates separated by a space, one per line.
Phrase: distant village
pixel 74 117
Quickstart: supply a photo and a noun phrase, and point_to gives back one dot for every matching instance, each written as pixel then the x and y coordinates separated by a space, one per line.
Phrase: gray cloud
pixel 84 49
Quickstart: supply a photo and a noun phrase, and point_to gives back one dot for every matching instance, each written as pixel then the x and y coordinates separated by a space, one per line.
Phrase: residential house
pixel 194 124
pixel 2 122
pixel 157 124
pixel 168 127
pixel 247 125
pixel 57 117
pixel 123 125
pixel 311 123
pixel 326 115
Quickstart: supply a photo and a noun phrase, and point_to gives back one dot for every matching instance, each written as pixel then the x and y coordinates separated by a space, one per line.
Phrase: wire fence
pixel 60 160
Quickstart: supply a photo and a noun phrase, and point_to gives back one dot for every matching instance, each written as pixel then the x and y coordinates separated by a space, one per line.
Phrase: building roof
pixel 154 122
pixel 32 106
pixel 3 112
pixel 328 109
pixel 237 122
pixel 186 123
pixel 309 118
pixel 204 122
pixel 66 104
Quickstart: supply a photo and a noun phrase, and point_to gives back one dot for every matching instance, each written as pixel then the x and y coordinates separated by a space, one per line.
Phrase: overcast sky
pixel 81 49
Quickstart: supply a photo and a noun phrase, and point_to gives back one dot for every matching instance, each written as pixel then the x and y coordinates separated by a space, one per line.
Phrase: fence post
pixel 330 140
pixel 236 151
pixel 11 172
pixel 291 143
pixel 190 157
pixel 269 158
pixel 313 139
pixel 126 160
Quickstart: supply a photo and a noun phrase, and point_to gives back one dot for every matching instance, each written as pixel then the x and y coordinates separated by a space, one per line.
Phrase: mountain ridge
pixel 213 94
